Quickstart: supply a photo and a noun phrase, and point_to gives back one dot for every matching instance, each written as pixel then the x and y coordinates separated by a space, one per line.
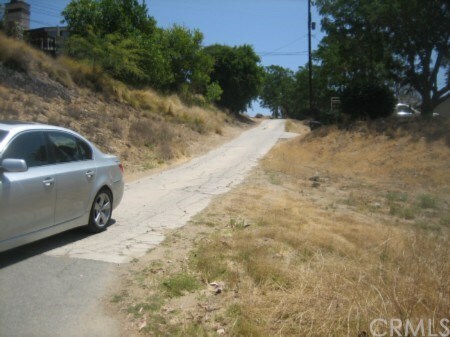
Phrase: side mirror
pixel 14 165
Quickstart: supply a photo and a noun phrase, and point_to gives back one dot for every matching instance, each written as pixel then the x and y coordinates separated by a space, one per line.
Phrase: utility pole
pixel 310 58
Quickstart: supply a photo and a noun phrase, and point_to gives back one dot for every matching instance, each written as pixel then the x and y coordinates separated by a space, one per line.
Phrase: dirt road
pixel 54 286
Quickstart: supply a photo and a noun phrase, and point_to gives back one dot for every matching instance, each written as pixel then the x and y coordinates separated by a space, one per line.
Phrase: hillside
pixel 335 229
pixel 143 128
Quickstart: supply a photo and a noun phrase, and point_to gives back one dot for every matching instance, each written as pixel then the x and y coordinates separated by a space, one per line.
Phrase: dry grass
pixel 20 57
pixel 369 240
pixel 296 126
pixel 144 128
pixel 398 154
pixel 316 268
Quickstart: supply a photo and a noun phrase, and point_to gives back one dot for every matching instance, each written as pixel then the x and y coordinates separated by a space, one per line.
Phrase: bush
pixel 367 101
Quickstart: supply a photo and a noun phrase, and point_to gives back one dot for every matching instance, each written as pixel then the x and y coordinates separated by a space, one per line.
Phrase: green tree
pixel 237 71
pixel 213 92
pixel 367 101
pixel 154 61
pixel 420 34
pixel 277 90
pixel 126 17
pixel 189 64
pixel 119 56
pixel 406 41
pixel 119 37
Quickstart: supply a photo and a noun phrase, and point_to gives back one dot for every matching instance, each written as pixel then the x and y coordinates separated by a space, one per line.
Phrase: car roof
pixel 15 127
pixel 24 125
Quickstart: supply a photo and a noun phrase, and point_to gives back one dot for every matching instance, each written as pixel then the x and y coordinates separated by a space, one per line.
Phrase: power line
pixel 286 45
pixel 296 53
pixel 45 13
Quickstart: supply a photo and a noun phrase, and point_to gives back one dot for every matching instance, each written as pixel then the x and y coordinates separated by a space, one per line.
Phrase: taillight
pixel 121 167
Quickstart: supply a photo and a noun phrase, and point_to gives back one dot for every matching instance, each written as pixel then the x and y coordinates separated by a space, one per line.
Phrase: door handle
pixel 48 182
pixel 90 174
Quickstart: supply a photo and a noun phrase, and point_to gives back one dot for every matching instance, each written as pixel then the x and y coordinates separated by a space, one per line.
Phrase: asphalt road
pixel 55 287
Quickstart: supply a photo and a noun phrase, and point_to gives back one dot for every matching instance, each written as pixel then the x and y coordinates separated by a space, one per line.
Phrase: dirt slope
pixel 144 128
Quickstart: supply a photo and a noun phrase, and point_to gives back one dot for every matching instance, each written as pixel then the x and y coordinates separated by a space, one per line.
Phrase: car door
pixel 75 173
pixel 27 199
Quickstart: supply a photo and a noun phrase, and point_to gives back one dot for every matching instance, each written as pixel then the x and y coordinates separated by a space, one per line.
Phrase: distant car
pixel 405 110
pixel 51 180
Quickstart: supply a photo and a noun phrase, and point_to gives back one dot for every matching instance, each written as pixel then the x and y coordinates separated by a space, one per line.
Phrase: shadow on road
pixel 25 252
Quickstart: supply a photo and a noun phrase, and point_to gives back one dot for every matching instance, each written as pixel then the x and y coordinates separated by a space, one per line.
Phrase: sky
pixel 277 29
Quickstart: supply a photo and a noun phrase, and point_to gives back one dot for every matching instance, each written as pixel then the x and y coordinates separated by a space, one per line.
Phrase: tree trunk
pixel 427 104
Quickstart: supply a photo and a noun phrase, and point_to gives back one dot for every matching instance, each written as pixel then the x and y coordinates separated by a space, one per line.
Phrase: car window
pixel 68 148
pixel 2 134
pixel 29 146
pixel 404 108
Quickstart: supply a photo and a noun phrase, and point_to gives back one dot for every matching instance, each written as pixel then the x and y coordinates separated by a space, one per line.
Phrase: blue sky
pixel 277 29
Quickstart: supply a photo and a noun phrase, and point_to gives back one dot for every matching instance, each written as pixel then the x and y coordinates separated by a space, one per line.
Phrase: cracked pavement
pixel 55 287
pixel 171 198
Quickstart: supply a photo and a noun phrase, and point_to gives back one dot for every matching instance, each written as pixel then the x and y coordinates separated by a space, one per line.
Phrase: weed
pixel 445 220
pixel 117 128
pixel 396 196
pixel 238 224
pixel 401 211
pixel 120 297
pixel 153 304
pixel 178 284
pixel 74 111
pixel 427 201
pixel 149 133
pixel 208 259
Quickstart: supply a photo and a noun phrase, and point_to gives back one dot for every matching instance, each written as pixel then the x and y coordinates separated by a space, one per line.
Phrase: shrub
pixel 367 101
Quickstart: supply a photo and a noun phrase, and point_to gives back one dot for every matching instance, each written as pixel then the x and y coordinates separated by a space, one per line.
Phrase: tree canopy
pixel 403 41
pixel 237 71
pixel 120 37
pixel 104 17
pixel 276 93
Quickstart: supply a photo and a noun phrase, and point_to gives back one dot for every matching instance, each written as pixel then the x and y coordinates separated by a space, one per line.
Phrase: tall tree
pixel 125 17
pixel 407 41
pixel 420 34
pixel 237 71
pixel 189 64
pixel 120 37
pixel 277 90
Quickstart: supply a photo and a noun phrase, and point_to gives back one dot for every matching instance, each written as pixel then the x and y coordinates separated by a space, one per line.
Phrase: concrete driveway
pixel 54 287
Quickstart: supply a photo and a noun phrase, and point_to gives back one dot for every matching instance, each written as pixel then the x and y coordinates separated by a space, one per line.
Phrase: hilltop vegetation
pixel 123 39
pixel 143 127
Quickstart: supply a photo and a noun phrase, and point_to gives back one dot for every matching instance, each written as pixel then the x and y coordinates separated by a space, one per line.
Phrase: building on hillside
pixel 17 12
pixel 17 23
pixel 48 39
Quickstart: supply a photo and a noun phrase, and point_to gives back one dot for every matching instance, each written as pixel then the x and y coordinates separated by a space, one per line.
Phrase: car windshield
pixel 2 134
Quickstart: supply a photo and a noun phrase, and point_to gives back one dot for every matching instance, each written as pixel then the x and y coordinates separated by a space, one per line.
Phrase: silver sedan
pixel 51 180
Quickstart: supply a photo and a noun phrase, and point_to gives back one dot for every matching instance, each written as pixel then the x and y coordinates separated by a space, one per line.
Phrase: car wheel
pixel 101 212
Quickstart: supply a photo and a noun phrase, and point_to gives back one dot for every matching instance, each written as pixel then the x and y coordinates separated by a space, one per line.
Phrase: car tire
pixel 101 211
